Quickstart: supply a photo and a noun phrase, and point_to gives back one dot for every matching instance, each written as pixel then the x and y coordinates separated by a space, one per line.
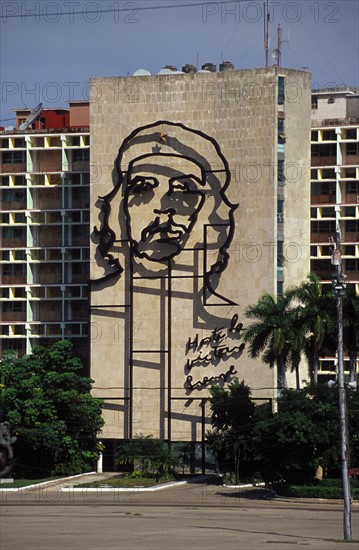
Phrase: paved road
pixel 197 516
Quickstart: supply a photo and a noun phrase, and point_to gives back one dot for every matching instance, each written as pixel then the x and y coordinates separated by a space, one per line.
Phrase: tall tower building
pixel 44 229
pixel 200 189
pixel 335 186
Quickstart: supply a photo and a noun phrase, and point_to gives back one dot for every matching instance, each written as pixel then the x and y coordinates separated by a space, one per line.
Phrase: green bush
pixel 319 490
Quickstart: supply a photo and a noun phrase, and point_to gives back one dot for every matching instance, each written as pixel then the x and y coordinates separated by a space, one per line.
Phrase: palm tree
pixel 351 328
pixel 315 316
pixel 271 334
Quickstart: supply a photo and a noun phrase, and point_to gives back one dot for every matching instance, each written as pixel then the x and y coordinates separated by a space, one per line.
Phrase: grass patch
pixel 124 482
pixel 18 483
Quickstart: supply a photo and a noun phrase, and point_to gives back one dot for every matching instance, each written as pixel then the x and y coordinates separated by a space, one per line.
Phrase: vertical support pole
pixel 169 354
pixel 203 435
pixel 130 400
pixel 344 445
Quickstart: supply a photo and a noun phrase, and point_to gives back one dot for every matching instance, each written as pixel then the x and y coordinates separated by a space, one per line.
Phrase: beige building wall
pixel 144 322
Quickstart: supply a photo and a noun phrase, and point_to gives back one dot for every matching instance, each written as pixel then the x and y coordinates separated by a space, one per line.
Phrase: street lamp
pixel 339 285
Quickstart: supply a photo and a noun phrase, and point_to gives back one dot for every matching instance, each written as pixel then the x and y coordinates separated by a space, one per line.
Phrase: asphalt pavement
pixel 202 515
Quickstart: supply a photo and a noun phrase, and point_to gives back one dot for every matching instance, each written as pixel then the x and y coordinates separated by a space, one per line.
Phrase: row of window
pixel 330 149
pixel 328 188
pixel 19 157
pixel 329 212
pixel 329 226
pixel 330 135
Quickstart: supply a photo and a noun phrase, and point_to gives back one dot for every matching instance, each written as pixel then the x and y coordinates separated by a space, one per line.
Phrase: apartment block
pixel 335 186
pixel 44 229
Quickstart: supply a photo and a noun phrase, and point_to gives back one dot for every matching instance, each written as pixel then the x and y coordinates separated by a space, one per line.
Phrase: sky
pixel 49 49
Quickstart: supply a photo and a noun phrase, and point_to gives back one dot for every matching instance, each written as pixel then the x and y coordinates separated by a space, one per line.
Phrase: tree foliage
pixel 302 322
pixel 150 455
pixel 287 445
pixel 232 412
pixel 46 398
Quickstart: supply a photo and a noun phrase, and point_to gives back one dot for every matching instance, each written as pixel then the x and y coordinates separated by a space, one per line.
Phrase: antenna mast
pixel 279 44
pixel 266 28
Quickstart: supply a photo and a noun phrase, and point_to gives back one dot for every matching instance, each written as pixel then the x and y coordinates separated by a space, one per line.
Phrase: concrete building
pixel 335 186
pixel 44 202
pixel 199 196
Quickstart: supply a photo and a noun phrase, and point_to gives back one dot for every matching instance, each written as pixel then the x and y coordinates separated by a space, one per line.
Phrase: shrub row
pixel 313 491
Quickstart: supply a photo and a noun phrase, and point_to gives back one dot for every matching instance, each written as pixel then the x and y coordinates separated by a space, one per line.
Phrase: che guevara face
pixel 161 203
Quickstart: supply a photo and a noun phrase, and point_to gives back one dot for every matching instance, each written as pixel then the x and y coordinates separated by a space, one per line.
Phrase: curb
pixel 59 480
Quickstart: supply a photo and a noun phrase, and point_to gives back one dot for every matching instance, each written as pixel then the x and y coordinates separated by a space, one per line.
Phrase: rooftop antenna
pixel 266 29
pixel 277 53
pixel 33 116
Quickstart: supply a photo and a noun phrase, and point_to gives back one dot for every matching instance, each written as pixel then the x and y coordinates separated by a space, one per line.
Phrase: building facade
pixel 44 202
pixel 335 187
pixel 199 200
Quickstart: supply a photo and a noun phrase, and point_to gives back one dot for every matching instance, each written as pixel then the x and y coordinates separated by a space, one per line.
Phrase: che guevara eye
pixel 140 184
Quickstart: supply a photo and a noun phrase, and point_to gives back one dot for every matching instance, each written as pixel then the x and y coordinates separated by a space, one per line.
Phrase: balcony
pixel 323 199
pixel 13 316
pixel 324 161
pixel 13 168
pixel 15 242
pixel 320 237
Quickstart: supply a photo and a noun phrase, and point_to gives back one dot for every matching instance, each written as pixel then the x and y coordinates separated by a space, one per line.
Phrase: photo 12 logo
pixel 253 12
pixel 69 12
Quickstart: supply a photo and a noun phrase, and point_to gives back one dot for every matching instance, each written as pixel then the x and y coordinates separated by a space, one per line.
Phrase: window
pixel 14 232
pixel 76 141
pixel 20 180
pixel 5 255
pixel 11 195
pixel 349 250
pixel 352 226
pixel 313 251
pixel 279 288
pixel 5 292
pixel 19 142
pixel 314 102
pixel 352 187
pixel 280 255
pixel 323 226
pixel 20 255
pixel 322 188
pixel 314 174
pixel 314 136
pixel 280 169
pixel 4 143
pixel 324 150
pixel 349 211
pixel 281 94
pixel 352 264
pixel 81 155
pixel 12 307
pixel 351 133
pixel 13 270
pixel 322 266
pixel 349 173
pixel 14 157
pixel 5 181
pixel 328 212
pixel 352 148
pixel 19 293
pixel 20 217
pixel 19 330
pixel 329 135
pixel 328 174
pixel 87 140
pixel 5 218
